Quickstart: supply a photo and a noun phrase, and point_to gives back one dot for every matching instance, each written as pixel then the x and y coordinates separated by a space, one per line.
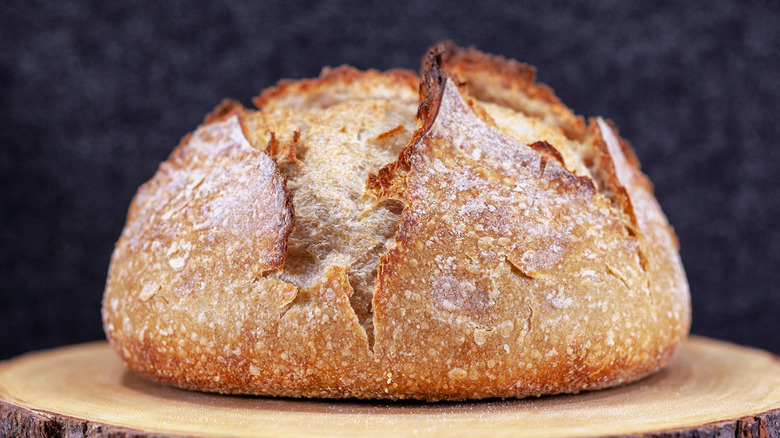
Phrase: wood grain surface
pixel 711 388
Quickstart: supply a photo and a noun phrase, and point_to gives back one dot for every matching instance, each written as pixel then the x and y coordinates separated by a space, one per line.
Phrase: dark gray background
pixel 93 95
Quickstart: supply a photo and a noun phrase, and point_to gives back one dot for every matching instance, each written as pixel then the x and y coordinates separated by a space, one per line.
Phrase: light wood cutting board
pixel 711 388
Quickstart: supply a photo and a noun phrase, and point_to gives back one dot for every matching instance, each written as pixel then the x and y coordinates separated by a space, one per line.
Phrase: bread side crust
pixel 177 289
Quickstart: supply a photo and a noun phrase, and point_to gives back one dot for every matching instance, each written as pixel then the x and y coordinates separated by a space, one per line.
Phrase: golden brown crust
pixel 434 258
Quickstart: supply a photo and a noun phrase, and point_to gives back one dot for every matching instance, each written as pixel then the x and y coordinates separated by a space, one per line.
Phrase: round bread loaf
pixel 377 235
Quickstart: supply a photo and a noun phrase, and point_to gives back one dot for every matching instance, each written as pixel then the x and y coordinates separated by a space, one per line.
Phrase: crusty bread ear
pixel 333 244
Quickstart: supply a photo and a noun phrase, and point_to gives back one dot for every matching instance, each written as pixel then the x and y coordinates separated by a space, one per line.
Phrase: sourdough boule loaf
pixel 457 235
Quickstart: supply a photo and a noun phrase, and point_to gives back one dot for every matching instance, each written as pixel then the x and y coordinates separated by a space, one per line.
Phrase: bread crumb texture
pixel 368 234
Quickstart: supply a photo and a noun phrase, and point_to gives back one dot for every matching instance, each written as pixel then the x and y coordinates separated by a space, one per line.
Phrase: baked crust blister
pixel 350 239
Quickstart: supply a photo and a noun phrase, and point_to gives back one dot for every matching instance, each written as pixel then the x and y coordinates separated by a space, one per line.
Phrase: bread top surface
pixel 352 239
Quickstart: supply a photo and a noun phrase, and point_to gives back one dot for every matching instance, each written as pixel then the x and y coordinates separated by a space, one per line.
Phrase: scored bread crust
pixel 356 238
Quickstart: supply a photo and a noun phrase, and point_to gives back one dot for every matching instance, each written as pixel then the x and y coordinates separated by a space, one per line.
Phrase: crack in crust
pixel 382 183
pixel 338 225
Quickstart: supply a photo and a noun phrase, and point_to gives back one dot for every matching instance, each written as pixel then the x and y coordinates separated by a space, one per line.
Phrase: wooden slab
pixel 710 389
